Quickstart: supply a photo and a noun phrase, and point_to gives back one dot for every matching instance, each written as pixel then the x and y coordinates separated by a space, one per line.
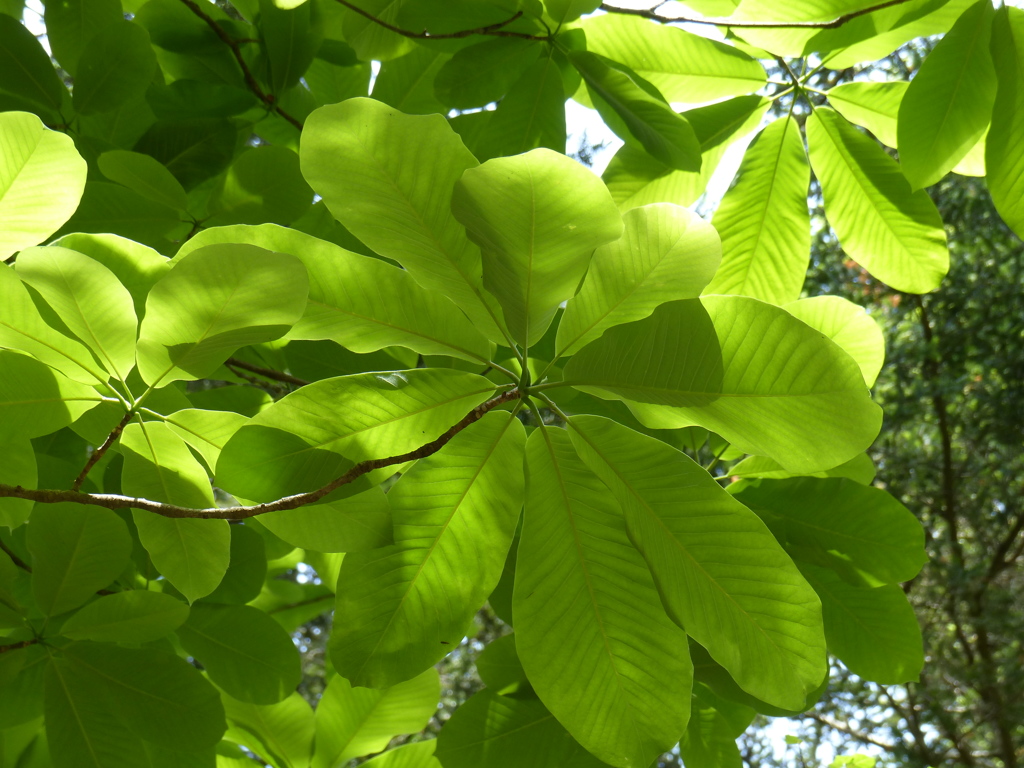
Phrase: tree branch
pixel 236 50
pixel 98 453
pixel 493 30
pixel 833 24
pixel 864 738
pixel 266 373
pixel 14 558
pixel 117 501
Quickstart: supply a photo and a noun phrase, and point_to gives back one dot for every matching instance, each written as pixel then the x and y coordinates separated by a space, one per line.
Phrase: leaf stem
pixel 99 452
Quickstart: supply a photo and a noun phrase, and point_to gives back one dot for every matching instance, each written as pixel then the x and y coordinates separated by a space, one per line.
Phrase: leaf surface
pixel 133 616
pixel 849 326
pixel 1004 155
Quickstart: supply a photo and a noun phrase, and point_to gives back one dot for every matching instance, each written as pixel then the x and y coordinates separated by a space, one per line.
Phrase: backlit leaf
pixel 135 616
pixel 1004 154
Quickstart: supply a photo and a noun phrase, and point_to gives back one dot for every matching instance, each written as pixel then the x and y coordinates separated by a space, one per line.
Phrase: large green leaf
pixel 70 24
pixel 37 400
pixel 76 550
pixel 635 178
pixel 213 301
pixel 537 218
pixel 948 105
pixel 354 721
pixel 17 467
pixel 843 522
pixel 42 178
pixel 247 572
pixel 192 554
pixel 763 219
pixel 563 11
pixel 872 105
pixel 859 469
pixel 1004 153
pixel 479 74
pixel 636 114
pixel 206 431
pixel 892 231
pixel 107 207
pixel 371 41
pixel 263 185
pixel 849 326
pixel 685 67
pixel 666 253
pixel 116 65
pixel 501 732
pixel 284 731
pixel 406 83
pixel 710 738
pixel 290 37
pixel 25 69
pixel 403 607
pixel 355 524
pixel 418 754
pixel 586 609
pixel 313 435
pixel 358 155
pixel 746 370
pixel 874 632
pixel 362 303
pixel 244 651
pixel 145 175
pixel 721 574
pixel 134 616
pixel 89 299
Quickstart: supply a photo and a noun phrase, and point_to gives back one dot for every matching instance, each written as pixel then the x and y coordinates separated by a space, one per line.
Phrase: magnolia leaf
pixel 145 175
pixel 1004 154
pixel 874 106
pixel 25 68
pixel 585 606
pixel 479 74
pixel 116 65
pixel 135 616
pixel 37 400
pixel 17 467
pixel 537 218
pixel 849 326
pixel 892 231
pixel 362 522
pixel 284 731
pixel 719 571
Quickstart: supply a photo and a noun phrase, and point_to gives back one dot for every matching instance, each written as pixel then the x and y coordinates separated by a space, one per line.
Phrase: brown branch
pixel 493 30
pixel 864 738
pixel 833 24
pixel 236 50
pixel 1002 558
pixel 117 501
pixel 18 646
pixel 266 373
pixel 14 558
pixel 98 453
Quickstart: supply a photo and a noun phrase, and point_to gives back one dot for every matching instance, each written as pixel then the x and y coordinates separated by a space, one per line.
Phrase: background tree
pixel 465 370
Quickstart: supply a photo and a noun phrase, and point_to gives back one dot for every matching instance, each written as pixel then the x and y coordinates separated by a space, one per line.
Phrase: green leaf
pixel 116 65
pixel 874 632
pixel 499 667
pixel 193 149
pixel 874 106
pixel 356 155
pixel 531 116
pixel 720 573
pixel 356 524
pixel 637 115
pixel 41 179
pixel 206 431
pixel 1004 155
pixel 37 400
pixel 502 732
pixel 192 554
pixel 775 388
pixel 106 207
pixel 764 221
pixel 354 721
pixel 479 74
pixel 247 571
pixel 893 232
pixel 76 550
pixel 849 326
pixel 145 175
pixel 290 38
pixel 710 740
pixel 283 731
pixel 214 301
pixel 403 607
pixel 243 650
pixel 859 469
pixel 681 65
pixel 71 24
pixel 160 697
pixel 263 185
pixel 17 467
pixel 586 607
pixel 567 10
pixel 537 218
pixel 90 300
pixel 666 253
pixel 406 83
pixel 25 68
pixel 419 754
pixel 347 303
pixel 371 41
pixel 948 105
pixel 135 616
pixel 316 433
pixel 857 525
pixel 634 178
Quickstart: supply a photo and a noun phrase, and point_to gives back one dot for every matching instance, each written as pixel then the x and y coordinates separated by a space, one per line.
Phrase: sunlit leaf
pixel 849 326
pixel 1004 155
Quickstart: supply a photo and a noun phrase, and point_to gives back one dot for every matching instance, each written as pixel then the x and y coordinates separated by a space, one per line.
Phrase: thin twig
pixel 836 22
pixel 98 453
pixel 236 50
pixel 117 501
pixel 15 559
pixel 492 30
pixel 18 646
pixel 267 373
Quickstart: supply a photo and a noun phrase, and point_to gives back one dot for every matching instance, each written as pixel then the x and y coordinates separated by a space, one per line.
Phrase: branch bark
pixel 492 30
pixel 834 23
pixel 117 501
pixel 266 373
pixel 98 453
